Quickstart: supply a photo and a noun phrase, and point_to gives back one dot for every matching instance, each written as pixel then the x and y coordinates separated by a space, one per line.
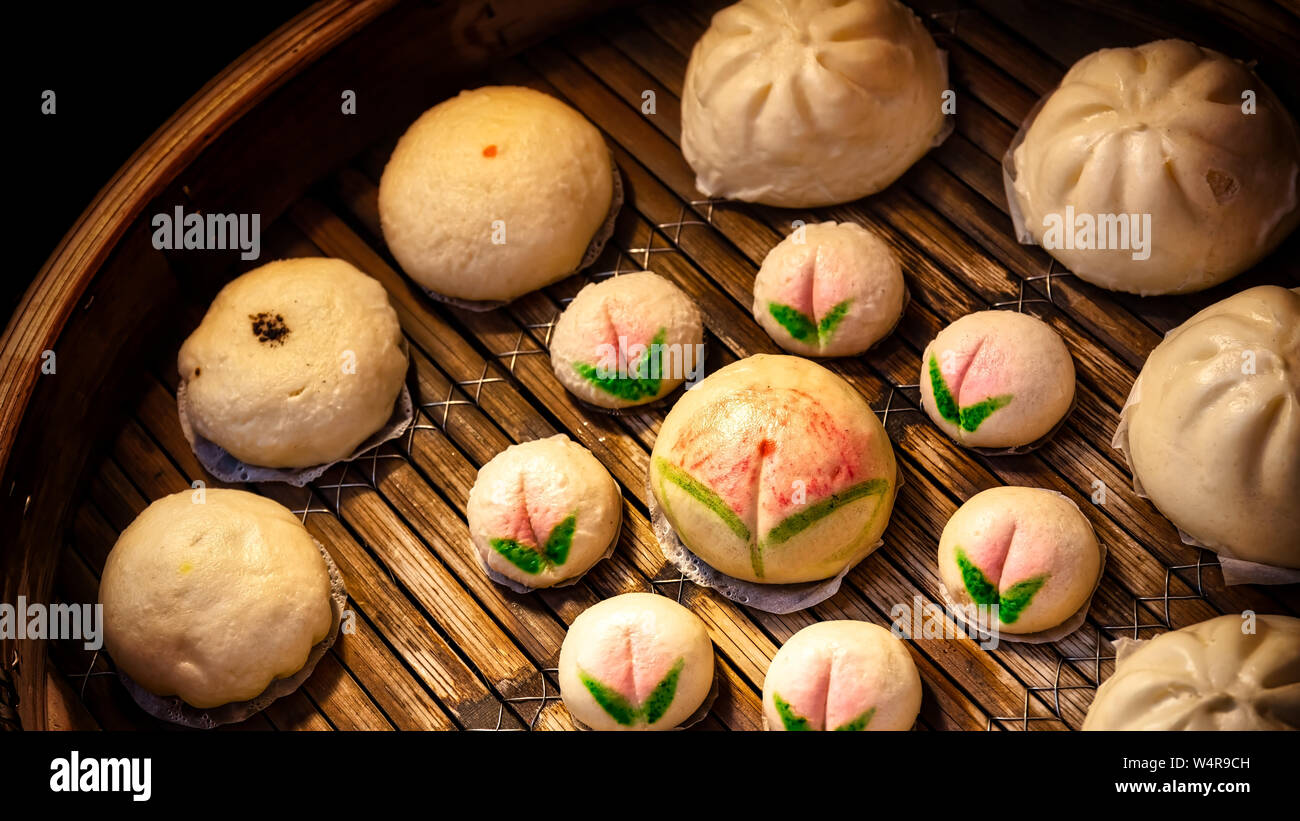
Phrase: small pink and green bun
pixel 626 341
pixel 639 661
pixel 1027 555
pixel 775 470
pixel 829 289
pixel 842 675
pixel 542 513
pixel 997 379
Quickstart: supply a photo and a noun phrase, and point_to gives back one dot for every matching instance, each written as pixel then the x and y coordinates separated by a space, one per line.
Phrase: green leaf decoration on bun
pixel 1010 603
pixel 803 327
pixel 553 554
pixel 970 417
pixel 793 721
pixel 623 711
pixel 643 378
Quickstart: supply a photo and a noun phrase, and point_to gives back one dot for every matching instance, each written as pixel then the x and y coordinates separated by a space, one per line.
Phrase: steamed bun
pixel 494 193
pixel 626 341
pixel 295 364
pixel 543 512
pixel 830 289
pixel 1213 426
pixel 639 661
pixel 842 675
pixel 1227 673
pixel 1028 551
pixel 1160 130
pixel 775 470
pixel 802 103
pixel 212 600
pixel 997 379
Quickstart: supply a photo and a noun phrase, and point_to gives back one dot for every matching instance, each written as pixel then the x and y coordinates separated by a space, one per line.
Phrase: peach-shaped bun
pixel 830 289
pixel 1028 552
pixel 494 193
pixel 627 341
pixel 1233 672
pixel 211 595
pixel 1159 169
pixel 775 470
pixel 295 364
pixel 801 103
pixel 842 675
pixel 1214 426
pixel 638 661
pixel 543 512
pixel 997 379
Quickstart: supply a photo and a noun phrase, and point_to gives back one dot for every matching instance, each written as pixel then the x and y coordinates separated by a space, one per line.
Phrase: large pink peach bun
pixel 627 341
pixel 1028 555
pixel 1214 426
pixel 829 289
pixel 494 193
pixel 638 661
pixel 775 470
pixel 1233 672
pixel 997 379
pixel 543 512
pixel 842 675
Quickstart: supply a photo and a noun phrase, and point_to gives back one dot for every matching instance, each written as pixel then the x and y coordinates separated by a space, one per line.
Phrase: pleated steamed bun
pixel 775 470
pixel 639 661
pixel 830 289
pixel 802 103
pixel 1029 551
pixel 1213 426
pixel 541 513
pixel 842 675
pixel 295 364
pixel 496 192
pixel 1159 131
pixel 1227 673
pixel 211 596
pixel 997 379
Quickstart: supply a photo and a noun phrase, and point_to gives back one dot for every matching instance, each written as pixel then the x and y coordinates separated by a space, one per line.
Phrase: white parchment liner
pixel 1065 628
pixel 1235 571
pixel 770 598
pixel 691 720
pixel 520 587
pixel 227 468
pixel 173 709
pixel 594 248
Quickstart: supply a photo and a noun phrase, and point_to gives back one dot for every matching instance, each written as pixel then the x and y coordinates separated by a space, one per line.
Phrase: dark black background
pixel 624 775
pixel 119 70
